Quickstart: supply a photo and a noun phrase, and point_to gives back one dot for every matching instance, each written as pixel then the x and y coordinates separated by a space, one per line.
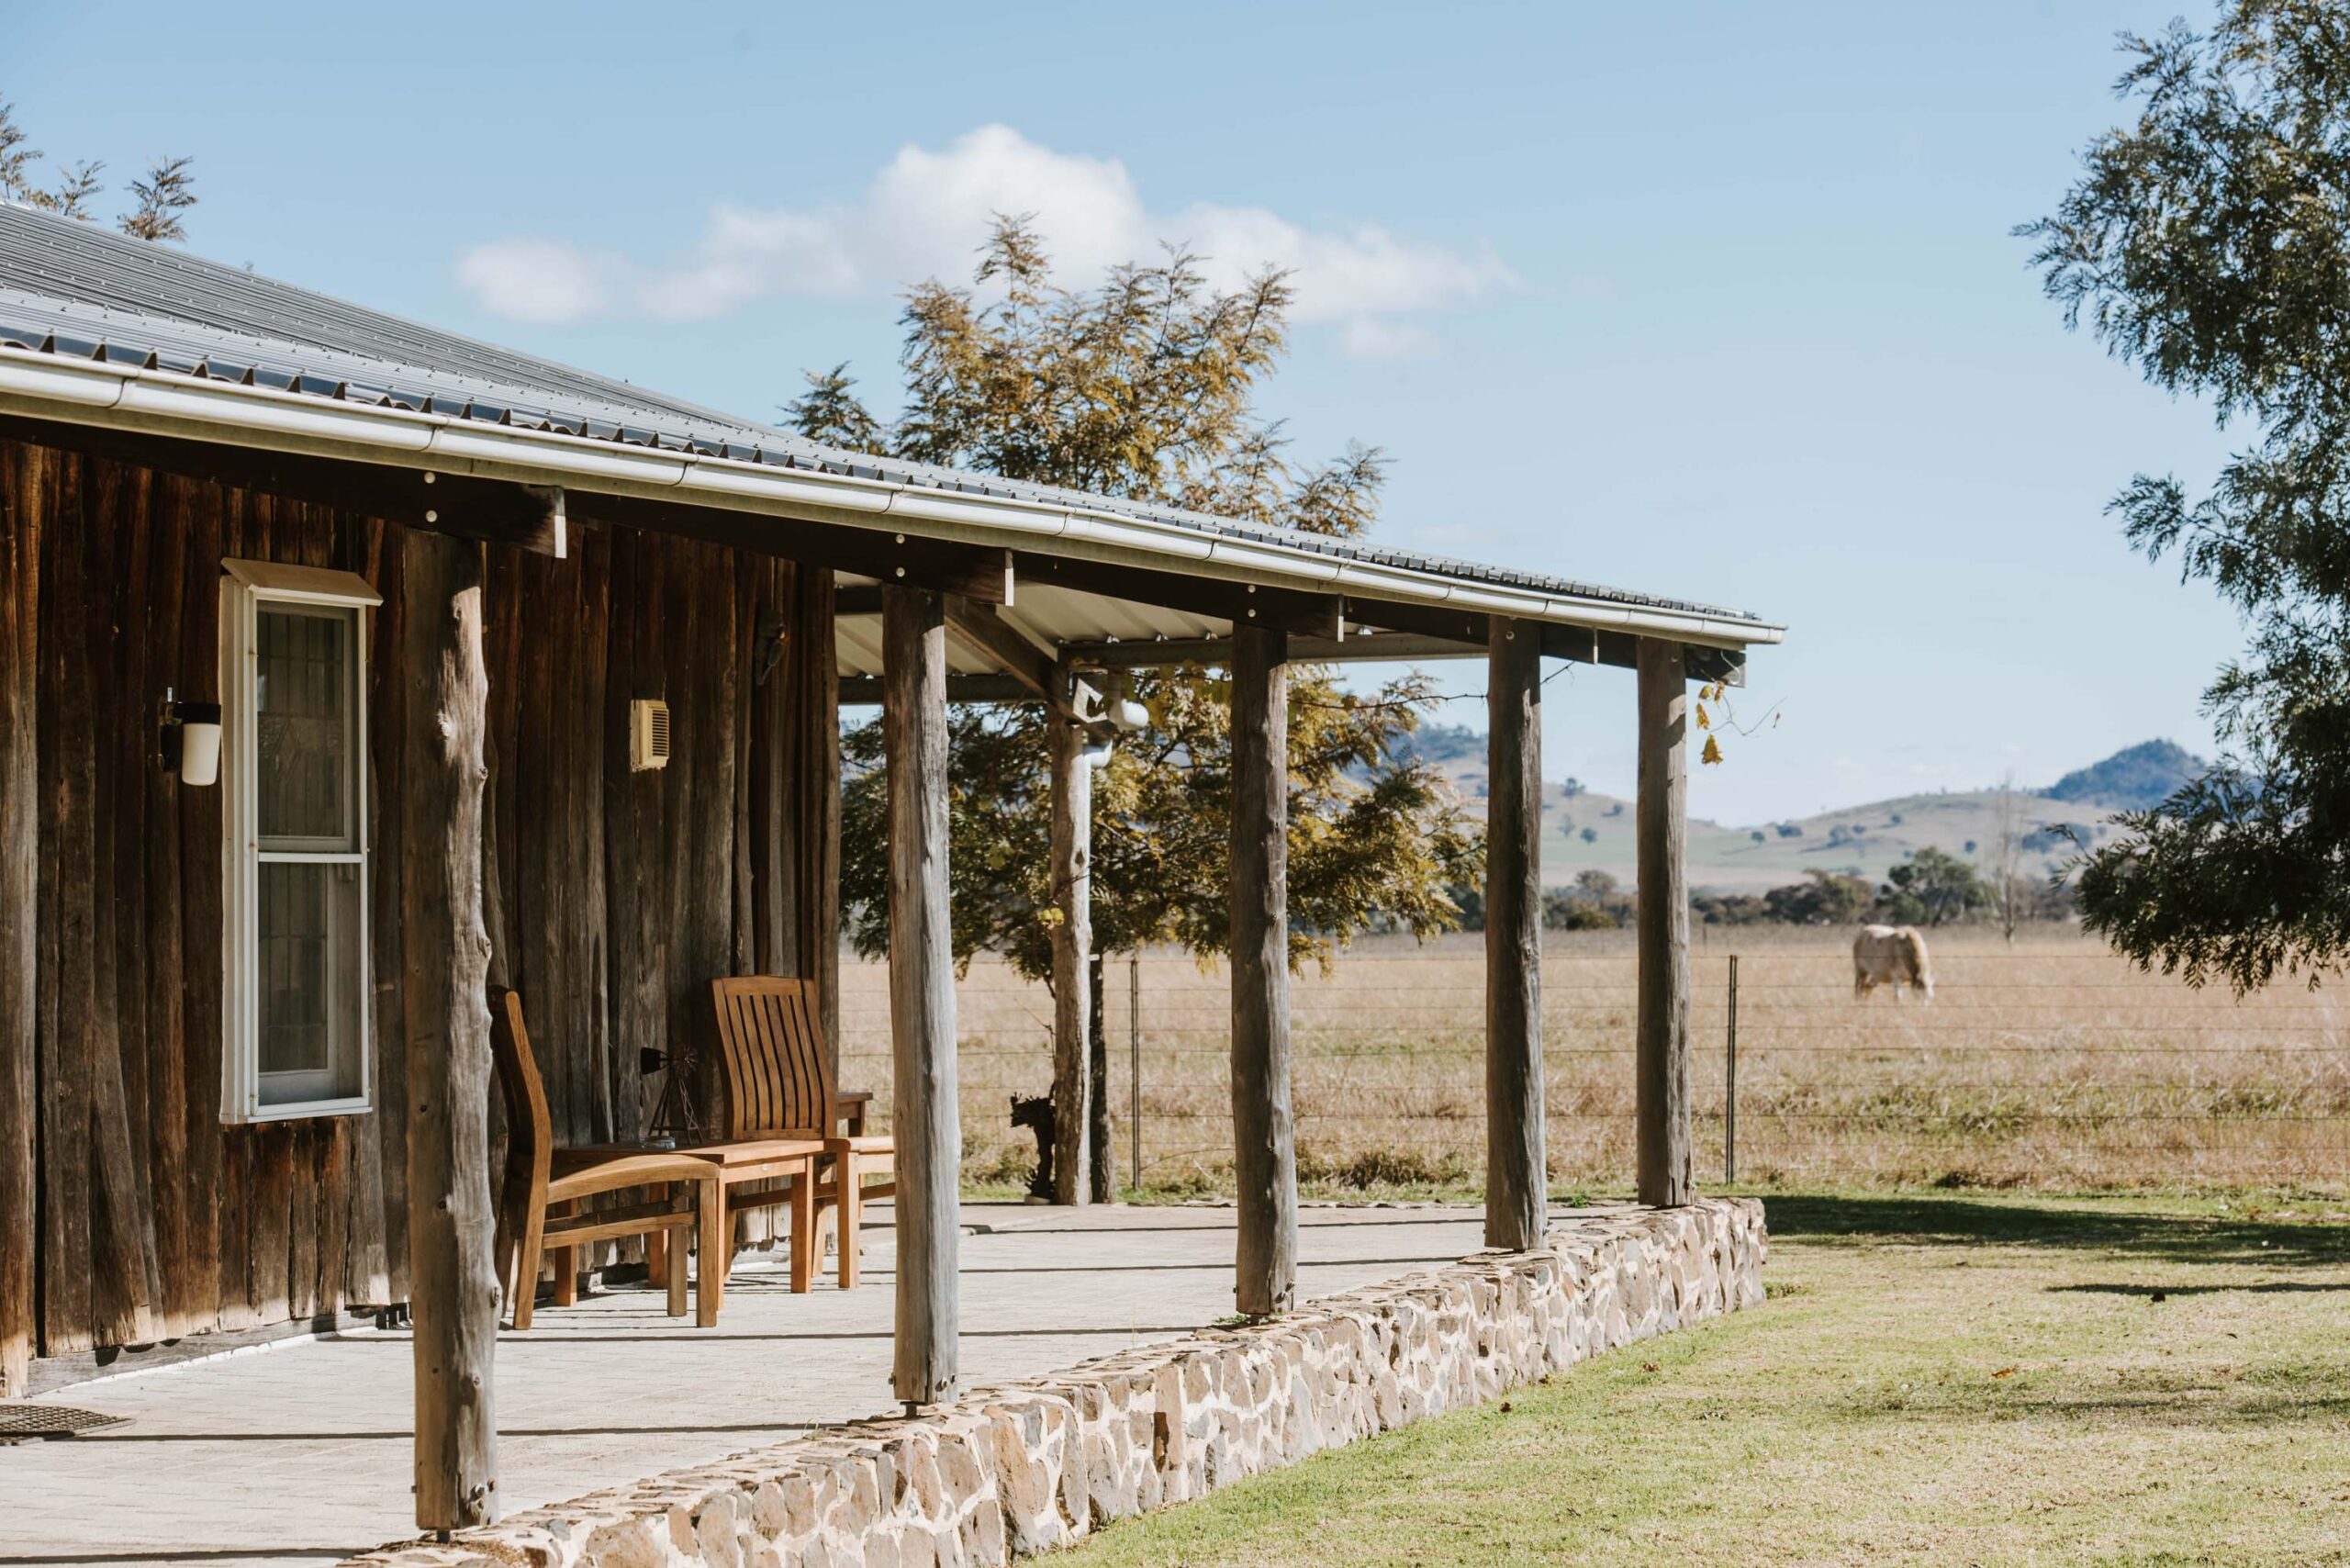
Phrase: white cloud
pixel 1383 337
pixel 924 214
pixel 539 280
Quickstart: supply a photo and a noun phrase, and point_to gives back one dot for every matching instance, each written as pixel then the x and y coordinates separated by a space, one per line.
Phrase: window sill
pixel 309 1109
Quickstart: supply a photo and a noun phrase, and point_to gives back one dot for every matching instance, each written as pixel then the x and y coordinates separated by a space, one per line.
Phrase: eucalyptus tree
pixel 157 200
pixel 1143 387
pixel 2208 243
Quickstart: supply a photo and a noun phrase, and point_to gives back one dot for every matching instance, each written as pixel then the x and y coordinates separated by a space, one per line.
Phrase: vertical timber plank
pixel 21 525
pixel 123 1221
pixel 774 865
pixel 817 705
pixel 1264 1130
pixel 635 866
pixel 453 1281
pixel 67 998
pixel 927 1124
pixel 1663 1157
pixel 168 1084
pixel 379 1260
pixel 1517 1182
pixel 209 1181
pixel 1072 850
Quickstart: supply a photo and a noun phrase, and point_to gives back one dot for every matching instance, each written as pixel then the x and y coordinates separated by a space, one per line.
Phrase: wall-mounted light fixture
pixel 1101 699
pixel 1123 711
pixel 189 741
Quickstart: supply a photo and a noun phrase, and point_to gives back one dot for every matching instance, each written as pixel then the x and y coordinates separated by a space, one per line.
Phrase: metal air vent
pixel 648 733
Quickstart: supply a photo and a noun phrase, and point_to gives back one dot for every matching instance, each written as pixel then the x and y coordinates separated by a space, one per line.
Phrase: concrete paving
pixel 300 1453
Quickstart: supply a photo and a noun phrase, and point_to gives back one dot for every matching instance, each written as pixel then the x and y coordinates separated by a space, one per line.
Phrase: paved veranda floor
pixel 300 1453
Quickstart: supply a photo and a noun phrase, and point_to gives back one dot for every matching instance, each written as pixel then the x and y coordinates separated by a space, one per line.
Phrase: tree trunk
pixel 1072 854
pixel 1265 1152
pixel 927 1129
pixel 1663 1161
pixel 453 1279
pixel 1517 1182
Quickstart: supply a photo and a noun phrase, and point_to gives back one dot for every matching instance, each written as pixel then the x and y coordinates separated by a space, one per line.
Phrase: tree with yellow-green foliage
pixel 1143 387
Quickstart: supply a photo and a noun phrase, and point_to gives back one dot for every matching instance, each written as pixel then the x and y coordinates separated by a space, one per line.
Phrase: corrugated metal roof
pixel 77 290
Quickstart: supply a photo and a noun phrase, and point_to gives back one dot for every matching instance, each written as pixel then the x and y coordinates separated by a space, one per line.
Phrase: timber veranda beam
pixel 1380 644
pixel 1264 1129
pixel 980 627
pixel 871 691
pixel 1662 1153
pixel 538 518
pixel 1357 647
pixel 978 572
pixel 495 511
pixel 1517 1183
pixel 1292 611
pixel 925 1115
pixel 453 1276
pixel 1073 876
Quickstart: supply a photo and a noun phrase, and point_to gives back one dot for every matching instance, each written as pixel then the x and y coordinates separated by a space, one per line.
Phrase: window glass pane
pixel 302 699
pixel 311 1006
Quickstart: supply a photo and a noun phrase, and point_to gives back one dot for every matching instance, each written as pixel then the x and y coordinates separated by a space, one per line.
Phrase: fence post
pixel 1134 1062
pixel 1729 1081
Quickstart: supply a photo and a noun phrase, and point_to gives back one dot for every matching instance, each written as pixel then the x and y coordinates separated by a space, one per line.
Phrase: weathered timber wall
pixel 616 895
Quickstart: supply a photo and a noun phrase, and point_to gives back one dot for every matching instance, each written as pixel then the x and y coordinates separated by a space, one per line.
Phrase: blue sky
pixel 1710 300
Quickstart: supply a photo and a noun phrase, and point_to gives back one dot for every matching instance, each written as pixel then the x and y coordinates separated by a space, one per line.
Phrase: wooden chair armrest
pixel 849 1105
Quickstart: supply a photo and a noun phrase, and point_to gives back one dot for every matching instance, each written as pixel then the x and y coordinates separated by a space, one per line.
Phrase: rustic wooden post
pixel 1264 1132
pixel 1072 852
pixel 1517 1180
pixel 453 1279
pixel 1104 1179
pixel 1662 826
pixel 927 1124
pixel 19 862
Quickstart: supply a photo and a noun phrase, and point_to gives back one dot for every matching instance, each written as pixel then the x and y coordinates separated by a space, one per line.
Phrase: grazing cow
pixel 1890 955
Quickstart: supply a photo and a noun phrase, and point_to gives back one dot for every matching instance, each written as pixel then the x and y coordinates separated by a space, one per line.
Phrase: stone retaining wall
pixel 1017 1469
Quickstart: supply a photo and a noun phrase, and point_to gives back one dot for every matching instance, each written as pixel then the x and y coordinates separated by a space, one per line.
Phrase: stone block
pixel 1023 1468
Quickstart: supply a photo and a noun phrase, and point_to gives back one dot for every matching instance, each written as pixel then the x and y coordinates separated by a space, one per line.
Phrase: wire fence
pixel 2047 1063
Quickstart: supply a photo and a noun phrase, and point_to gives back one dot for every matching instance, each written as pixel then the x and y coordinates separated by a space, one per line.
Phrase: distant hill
pixel 1442 743
pixel 1584 830
pixel 2135 777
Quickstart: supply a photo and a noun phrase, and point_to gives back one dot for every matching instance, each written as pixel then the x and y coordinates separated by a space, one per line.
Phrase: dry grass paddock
pixel 2050 1064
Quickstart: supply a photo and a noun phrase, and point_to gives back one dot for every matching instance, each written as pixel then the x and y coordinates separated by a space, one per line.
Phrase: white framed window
pixel 294 808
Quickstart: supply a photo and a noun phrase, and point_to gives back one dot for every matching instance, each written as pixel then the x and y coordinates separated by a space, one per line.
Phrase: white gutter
pixel 158 402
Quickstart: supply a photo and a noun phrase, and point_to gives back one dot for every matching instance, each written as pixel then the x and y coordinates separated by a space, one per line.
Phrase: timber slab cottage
pixel 349 667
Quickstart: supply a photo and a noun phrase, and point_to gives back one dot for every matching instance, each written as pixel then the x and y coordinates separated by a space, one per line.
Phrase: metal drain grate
pixel 19 1422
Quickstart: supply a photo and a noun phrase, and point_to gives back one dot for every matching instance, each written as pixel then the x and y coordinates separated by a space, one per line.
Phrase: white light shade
pixel 199 753
pixel 1125 713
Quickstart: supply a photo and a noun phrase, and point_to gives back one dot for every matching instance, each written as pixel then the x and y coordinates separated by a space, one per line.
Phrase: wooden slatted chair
pixel 538 1210
pixel 779 1081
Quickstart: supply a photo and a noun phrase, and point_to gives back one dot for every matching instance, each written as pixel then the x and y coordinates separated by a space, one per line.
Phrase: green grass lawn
pixel 1966 1379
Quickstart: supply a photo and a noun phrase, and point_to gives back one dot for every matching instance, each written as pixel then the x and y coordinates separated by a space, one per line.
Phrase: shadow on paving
pixel 2159 1293
pixel 1934 1221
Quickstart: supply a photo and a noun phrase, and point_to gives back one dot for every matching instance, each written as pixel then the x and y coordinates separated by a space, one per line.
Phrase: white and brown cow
pixel 1890 955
